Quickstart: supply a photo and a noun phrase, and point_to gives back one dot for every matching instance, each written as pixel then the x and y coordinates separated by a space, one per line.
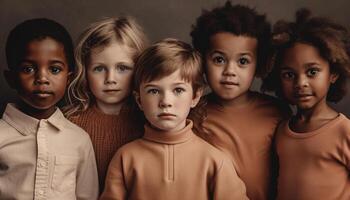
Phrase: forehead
pixel 229 42
pixel 115 50
pixel 301 54
pixel 45 48
pixel 166 80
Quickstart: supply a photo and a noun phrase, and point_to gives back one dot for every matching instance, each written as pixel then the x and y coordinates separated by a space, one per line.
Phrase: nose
pixel 41 77
pixel 301 82
pixel 230 69
pixel 110 77
pixel 165 101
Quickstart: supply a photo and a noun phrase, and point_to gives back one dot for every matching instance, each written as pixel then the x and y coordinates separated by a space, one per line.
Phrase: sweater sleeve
pixel 227 184
pixel 115 188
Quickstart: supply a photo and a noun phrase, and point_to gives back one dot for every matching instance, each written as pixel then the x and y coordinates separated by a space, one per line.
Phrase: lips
pixel 111 90
pixel 228 83
pixel 303 96
pixel 43 93
pixel 166 115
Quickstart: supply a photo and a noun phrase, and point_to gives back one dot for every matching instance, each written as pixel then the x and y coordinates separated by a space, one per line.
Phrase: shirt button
pixel 41 192
pixel 42 164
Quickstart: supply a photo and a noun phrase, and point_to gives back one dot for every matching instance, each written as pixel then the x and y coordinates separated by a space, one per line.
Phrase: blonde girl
pixel 99 97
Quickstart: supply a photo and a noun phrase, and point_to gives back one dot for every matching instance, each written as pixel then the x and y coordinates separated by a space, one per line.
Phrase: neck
pixel 241 100
pixel 320 111
pixel 109 109
pixel 34 112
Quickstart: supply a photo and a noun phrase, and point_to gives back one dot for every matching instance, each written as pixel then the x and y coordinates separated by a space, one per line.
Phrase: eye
pixel 99 68
pixel 27 69
pixel 123 68
pixel 55 69
pixel 219 60
pixel 287 75
pixel 312 72
pixel 179 90
pixel 243 61
pixel 152 91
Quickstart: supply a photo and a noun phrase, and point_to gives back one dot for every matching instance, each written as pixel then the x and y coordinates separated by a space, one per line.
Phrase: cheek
pixel 125 81
pixel 287 88
pixel 246 76
pixel 25 82
pixel 214 74
pixel 95 82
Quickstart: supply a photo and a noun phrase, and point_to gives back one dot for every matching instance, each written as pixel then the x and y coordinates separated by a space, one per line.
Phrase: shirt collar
pixel 26 124
pixel 163 137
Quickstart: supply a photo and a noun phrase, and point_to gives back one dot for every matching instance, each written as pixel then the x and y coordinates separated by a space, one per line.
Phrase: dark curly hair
pixel 238 20
pixel 37 29
pixel 331 39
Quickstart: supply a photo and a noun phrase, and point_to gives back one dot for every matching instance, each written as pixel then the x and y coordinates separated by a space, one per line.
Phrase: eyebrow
pixel 51 61
pixel 306 65
pixel 241 54
pixel 154 85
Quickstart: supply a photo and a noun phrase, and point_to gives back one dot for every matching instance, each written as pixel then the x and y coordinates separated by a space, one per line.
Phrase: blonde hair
pixel 124 30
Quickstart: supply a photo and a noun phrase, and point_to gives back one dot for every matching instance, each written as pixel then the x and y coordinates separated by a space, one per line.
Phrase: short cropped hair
pixel 165 57
pixel 37 29
pixel 331 40
pixel 238 20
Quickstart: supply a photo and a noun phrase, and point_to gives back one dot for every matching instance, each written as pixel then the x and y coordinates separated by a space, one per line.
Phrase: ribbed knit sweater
pixel 107 133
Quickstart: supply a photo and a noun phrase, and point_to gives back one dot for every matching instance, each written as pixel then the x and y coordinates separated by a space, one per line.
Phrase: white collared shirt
pixel 45 159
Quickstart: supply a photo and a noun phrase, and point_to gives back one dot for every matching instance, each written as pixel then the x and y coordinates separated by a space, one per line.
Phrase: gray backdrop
pixel 160 19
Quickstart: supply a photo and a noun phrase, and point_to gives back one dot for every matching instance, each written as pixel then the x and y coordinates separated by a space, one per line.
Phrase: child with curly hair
pixel 311 64
pixel 234 42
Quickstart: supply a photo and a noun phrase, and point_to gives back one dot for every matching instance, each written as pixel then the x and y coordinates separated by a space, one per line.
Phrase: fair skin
pixel 166 102
pixel 306 78
pixel 230 67
pixel 109 75
pixel 41 77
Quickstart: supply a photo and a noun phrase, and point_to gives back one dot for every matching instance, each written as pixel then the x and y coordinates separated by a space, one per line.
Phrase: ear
pixel 137 99
pixel 334 77
pixel 197 96
pixel 11 78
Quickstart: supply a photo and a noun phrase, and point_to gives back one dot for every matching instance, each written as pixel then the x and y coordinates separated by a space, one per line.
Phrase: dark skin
pixel 306 78
pixel 41 78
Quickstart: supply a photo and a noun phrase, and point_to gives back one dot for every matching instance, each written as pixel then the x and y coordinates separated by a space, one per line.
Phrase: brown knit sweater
pixel 108 133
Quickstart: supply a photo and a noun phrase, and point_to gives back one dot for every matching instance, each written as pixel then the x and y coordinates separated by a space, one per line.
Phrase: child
pixel 42 154
pixel 233 41
pixel 170 162
pixel 311 66
pixel 100 100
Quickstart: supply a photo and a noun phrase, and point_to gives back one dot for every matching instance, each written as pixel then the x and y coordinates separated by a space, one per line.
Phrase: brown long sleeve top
pixel 107 133
pixel 246 134
pixel 171 166
pixel 314 165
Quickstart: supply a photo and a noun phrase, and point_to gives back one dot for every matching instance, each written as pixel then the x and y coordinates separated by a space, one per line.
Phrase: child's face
pixel 231 64
pixel 109 74
pixel 166 102
pixel 42 74
pixel 305 76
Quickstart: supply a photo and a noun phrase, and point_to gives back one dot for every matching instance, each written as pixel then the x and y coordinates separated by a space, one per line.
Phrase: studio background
pixel 159 18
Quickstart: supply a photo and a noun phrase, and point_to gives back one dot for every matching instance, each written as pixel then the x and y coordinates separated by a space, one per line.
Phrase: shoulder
pixel 206 149
pixel 81 115
pixel 6 129
pixel 269 103
pixel 133 147
pixel 74 130
pixel 344 125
